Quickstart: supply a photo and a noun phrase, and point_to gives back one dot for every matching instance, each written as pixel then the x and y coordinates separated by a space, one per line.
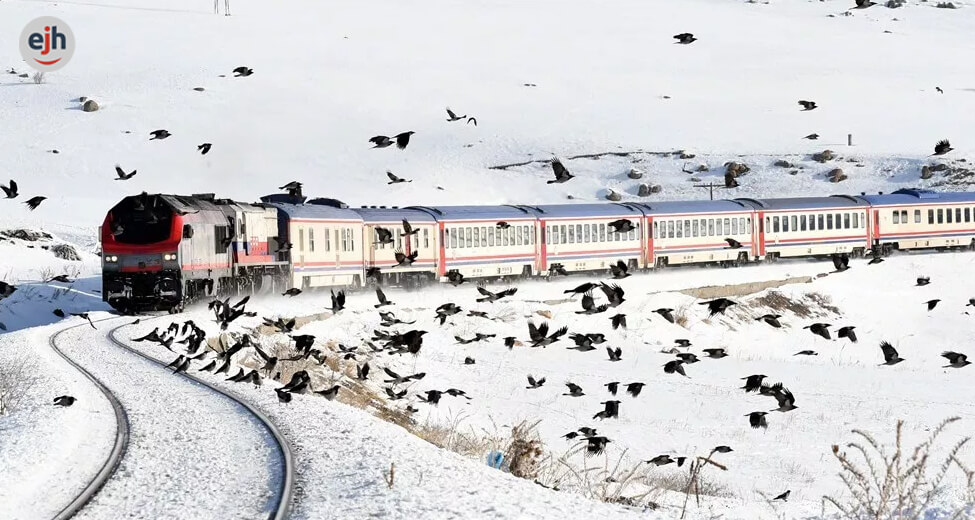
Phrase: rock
pixel 939 167
pixel 544 313
pixel 82 99
pixel 644 190
pixel 794 172
pixel 90 106
pixel 836 175
pixel 782 163
pixel 825 155
pixel 635 173
pixel 946 5
pixel 730 181
pixel 894 4
pixel 685 155
pixel 926 172
pixel 65 252
pixel 656 188
pixel 26 235
pixel 613 196
pixel 736 169
pixel 570 197
pixel 702 168
pixel 695 179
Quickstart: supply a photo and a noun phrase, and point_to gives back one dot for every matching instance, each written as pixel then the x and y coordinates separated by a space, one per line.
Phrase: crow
pixel 583 343
pixel 451 116
pixel 675 367
pixel 667 314
pixel 596 445
pixel 757 419
pixel 611 410
pixel 64 400
pixel 478 314
pixel 557 270
pixel 820 329
pixel 398 379
pixel 733 244
pixel 204 148
pixel 329 393
pixel 806 353
pixel 393 179
pixel 785 496
pixel 381 296
pixel 942 147
pixel 446 310
pixel 841 262
pixel 456 393
pixel 395 396
pixel 663 460
pixel 491 297
pixel 685 38
pixel 477 337
pixel 587 431
pixel 621 226
pixel 338 301
pixel 807 105
pixel 33 202
pixel 923 280
pixel 718 306
pixel 510 342
pixel 812 137
pixel 380 141
pixel 293 188
pixel 939 90
pixel 618 321
pixel 242 72
pixel 533 383
pixel 613 387
pixel 362 371
pixel 384 236
pixel 847 332
pixel 541 338
pixel 284 247
pixel 634 389
pixel 374 273
pixel 408 229
pixel 469 361
pixel 403 139
pixel 159 134
pixel 619 270
pixel 955 359
pixel 787 402
pixel 863 4
pixel 682 343
pixel 589 305
pixel 283 395
pixel 771 319
pixel 6 289
pixel 455 278
pixel 472 119
pixel 11 190
pixel 890 354
pixel 614 293
pixel 932 304
pixel 502 225
pixel 689 358
pixel 561 173
pixel 571 435
pixel 574 390
pixel 294 291
pixel 403 260
pixel 84 315
pixel 615 354
pixel 753 382
pixel 715 353
pixel 875 257
pixel 582 289
pixel 122 176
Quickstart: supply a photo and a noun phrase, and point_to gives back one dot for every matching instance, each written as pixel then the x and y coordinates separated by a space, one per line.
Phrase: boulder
pixel 939 167
pixel 825 155
pixel 90 106
pixel 65 252
pixel 730 181
pixel 782 163
pixel 836 175
pixel 793 172
pixel 635 173
pixel 614 196
pixel 926 172
pixel 686 155
pixel 702 168
pixel 644 190
pixel 736 169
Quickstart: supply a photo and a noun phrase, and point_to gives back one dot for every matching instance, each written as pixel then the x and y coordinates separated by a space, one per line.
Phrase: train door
pixel 650 259
pixel 876 226
pixel 370 238
pixel 442 260
pixel 541 250
pixel 759 248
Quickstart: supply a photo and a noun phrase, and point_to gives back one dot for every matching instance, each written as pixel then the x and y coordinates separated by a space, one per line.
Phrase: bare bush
pixel 16 379
pixel 524 451
pixel 883 482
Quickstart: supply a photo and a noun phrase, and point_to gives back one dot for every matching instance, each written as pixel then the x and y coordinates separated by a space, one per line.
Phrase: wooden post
pixel 710 187
pixel 849 139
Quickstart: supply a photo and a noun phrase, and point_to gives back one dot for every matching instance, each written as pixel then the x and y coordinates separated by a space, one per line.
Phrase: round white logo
pixel 47 43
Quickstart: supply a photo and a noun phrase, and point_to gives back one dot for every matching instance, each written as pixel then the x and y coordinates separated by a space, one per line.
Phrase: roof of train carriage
pixel 832 201
pixel 392 214
pixel 608 209
pixel 692 206
pixel 311 210
pixel 918 196
pixel 494 213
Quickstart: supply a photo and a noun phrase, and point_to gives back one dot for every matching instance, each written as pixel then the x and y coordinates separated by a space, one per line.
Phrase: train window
pixel 785 224
pixel 520 235
pixel 768 223
pixel 563 234
pixel 957 214
pixel 345 240
pixel 930 216
pixel 243 228
pixel 775 224
pixel 829 221
pixel 680 229
pixel 531 234
pixel 941 216
pixel 633 232
pixel 301 240
pixel 220 234
pixel 710 227
pixel 572 234
pixel 586 233
pixel 895 217
pixel 426 239
pixel 484 234
pixel 695 227
pixel 351 241
pixel 579 233
pixel 727 226
pixel 670 229
pixel 602 232
pixel 656 232
pixel 452 235
pixel 311 239
pixel 734 226
pixel 476 237
pixel 687 228
pixel 846 221
pixel 327 245
pixel 820 222
pixel 793 223
pixel 802 223
pixel 460 237
pixel 948 211
pixel 968 215
pixel 469 237
pixel 741 225
pixel 490 238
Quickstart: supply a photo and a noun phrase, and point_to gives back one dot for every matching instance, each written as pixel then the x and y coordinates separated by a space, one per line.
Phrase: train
pixel 163 251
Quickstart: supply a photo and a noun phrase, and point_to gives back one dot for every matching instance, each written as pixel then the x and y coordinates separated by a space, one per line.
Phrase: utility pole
pixel 710 187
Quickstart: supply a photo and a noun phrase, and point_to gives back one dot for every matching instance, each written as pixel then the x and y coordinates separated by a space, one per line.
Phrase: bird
pixel 293 188
pixel 611 410
pixel 393 179
pixel 338 301
pixel 890 354
pixel 619 270
pixel 541 338
pixel 491 297
pixel 785 496
pixel 685 38
pixel 380 141
pixel 502 225
pixel 6 289
pixel 841 262
pixel 446 310
pixel 122 176
pixel 932 304
pixel 204 148
pixel 403 139
pixel 596 445
pixel 812 137
pixel 381 296
pixel 688 358
pixel 383 236
pixel 875 257
pixel 819 329
pixel 955 359
pixel 59 313
pixel 10 190
pixel 614 293
pixel 510 342
pixel 455 278
pixel 786 400
pixel 807 105
pixel 64 400
pixel 939 90
pixel 757 419
pixel 283 395
pixel 33 202
pixel 621 226
pixel 408 229
pixel 294 291
pixel 535 383
pixel 675 367
pixel 451 116
pixel 397 379
pixel 667 314
pixel 847 332
pixel 159 134
pixel 561 173
pixel 718 306
pixel 682 343
pixel 329 393
pixel 722 449
pixel 403 260
pixel 715 353
pixel 589 305
pixel 242 72
pixel 84 316
pixel 613 387
pixel 574 390
pixel 472 119
pixel 806 353
pixel 733 244
pixel 753 382
pixel 618 321
pixel 63 278
pixel 923 280
pixel 634 389
pixel 942 147
pixel 615 354
pixel 362 371
pixel 582 289
pixel 771 319
pixel 863 4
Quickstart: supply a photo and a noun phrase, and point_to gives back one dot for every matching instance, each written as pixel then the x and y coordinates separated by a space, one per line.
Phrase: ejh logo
pixel 47 43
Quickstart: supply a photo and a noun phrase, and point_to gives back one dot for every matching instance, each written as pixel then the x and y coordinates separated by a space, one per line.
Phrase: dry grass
pixel 38 78
pixel 807 306
pixel 16 380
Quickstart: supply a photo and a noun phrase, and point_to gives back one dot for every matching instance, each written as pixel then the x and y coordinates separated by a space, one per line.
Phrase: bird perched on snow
pixel 159 134
pixel 955 359
pixel 757 419
pixel 847 332
pixel 561 173
pixel 619 270
pixel 890 354
pixel 812 137
pixel 242 72
pixel 204 148
pixel 684 38
pixel 923 280
pixel 33 202
pixel 785 496
pixel 621 226
pixel 294 291
pixel 64 400
pixel 771 319
pixel 122 176
pixel 807 105
pixel 718 306
pixel 11 190
pixel 393 179
pixel 84 316
pixel 819 329
pixel 942 147
pixel 806 353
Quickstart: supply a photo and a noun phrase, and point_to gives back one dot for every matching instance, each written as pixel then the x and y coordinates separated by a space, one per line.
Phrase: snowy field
pixel 543 78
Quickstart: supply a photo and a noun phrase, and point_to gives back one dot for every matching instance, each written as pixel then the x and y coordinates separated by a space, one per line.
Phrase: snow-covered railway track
pixel 183 447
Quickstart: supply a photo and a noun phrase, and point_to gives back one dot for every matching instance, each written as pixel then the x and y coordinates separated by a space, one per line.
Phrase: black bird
pixel 682 343
pixel 875 258
pixel 634 389
pixel 6 289
pixel 787 402
pixel 397 379
pixel 621 226
pixel 971 302
pixel 663 460
pixel 403 139
pixel 403 260
pixel 771 319
pixel 561 173
pixel 733 244
pixel 64 400
pixel 583 342
pixel 159 134
pixel 685 38
pixel 329 393
pixel 614 293
pixel 582 289
pixel 491 297
pixel 819 329
pixel 381 296
pixel 890 354
pixel 618 321
pixel 715 353
pixel 59 313
pixel 615 354
pixel 757 419
pixel 84 315
pixel 283 395
pixel 541 338
pixel 689 358
pixel 33 202
pixel 589 305
pixel 667 314
pixel 294 291
pixel 571 435
pixel 557 270
pixel 675 367
pixel 863 4
pixel 613 387
pixel 472 119
pixel 393 179
pixel 455 278
pixel 408 229
pixel 510 342
pixel 380 141
pixel 446 310
pixel 11 190
pixel 812 137
pixel 806 353
pixel 942 147
pixel 753 382
pixel 533 383
pixel 574 390
pixel 807 105
pixel 596 445
pixel 611 410
pixel 847 332
pixel 362 371
pixel 502 225
pixel 955 359
pixel 242 72
pixel 122 176
pixel 718 306
pixel 63 278
pixel 722 449
pixel 785 496
pixel 939 90
pixel 619 270
pixel 932 303
pixel 477 337
pixel 587 431
pixel 393 395
pixel 374 273
pixel 293 188
pixel 923 280
pixel 204 148
pixel 451 116
pixel 384 236
pixel 841 262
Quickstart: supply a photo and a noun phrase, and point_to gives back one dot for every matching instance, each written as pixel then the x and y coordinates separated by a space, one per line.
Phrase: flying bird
pixel 932 304
pixel 753 382
pixel 611 410
pixel 541 338
pixel 819 329
pixel 446 310
pixel 771 319
pixel 472 119
pixel 942 147
pixel 502 225
pixel 619 270
pixel 393 179
pixel 614 293
pixel 923 280
pixel 242 72
pixel 675 367
pixel 939 90
pixel 718 306
pixel 596 445
pixel 615 354
pixel 561 173
pixel 863 4
pixel 11 190
pixel 403 139
pixel 715 353
pixel 618 321
pixel 159 134
pixel 33 202
pixel 491 297
pixel 451 116
pixel 294 291
pixel 380 141
pixel 634 389
pixel 589 305
pixel 890 354
pixel 381 296
pixel 293 188
pixel 806 353
pixel 613 387
pixel 733 244
pixel 574 390
pixel 122 176
pixel 807 105
pixel 204 148
pixel 955 359
pixel 847 332
pixel 455 278
pixel 535 383
pixel 667 314
pixel 685 38
pixel 812 137
pixel 408 229
pixel 403 260
pixel 582 289
pixel 757 419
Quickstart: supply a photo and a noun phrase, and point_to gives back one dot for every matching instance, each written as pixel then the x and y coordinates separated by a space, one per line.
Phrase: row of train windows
pixel 455 238
pixel 398 244
pixel 344 237
pixel 820 222
pixel 705 227
pixel 585 233
pixel 941 216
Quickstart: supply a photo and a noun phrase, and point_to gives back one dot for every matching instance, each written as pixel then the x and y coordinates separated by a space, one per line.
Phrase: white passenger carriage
pixel 378 221
pixel 811 226
pixel 914 219
pixel 578 237
pixel 696 232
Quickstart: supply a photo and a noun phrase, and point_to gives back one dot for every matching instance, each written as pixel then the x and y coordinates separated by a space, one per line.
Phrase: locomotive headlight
pixel 111 258
pixel 169 256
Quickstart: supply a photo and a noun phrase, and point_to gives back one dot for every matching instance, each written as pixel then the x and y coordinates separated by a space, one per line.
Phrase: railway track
pixel 281 491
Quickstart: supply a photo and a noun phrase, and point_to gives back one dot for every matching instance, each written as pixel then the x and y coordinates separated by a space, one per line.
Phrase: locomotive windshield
pixel 141 220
